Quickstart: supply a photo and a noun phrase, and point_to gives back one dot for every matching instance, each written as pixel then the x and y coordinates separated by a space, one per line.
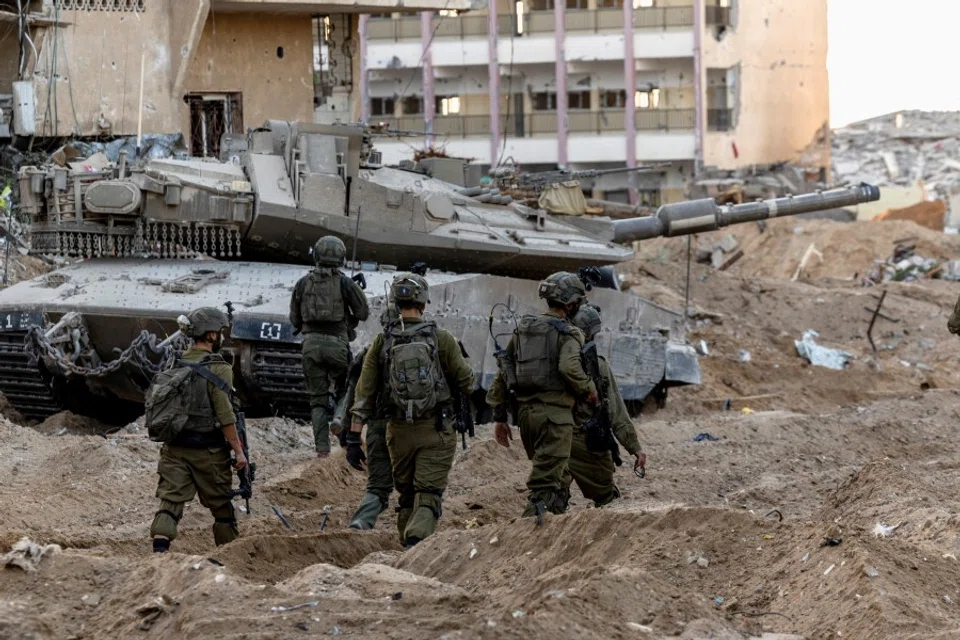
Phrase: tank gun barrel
pixel 699 216
pixel 593 173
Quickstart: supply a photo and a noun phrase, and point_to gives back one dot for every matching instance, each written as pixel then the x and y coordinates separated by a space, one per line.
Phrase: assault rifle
pixel 462 409
pixel 598 429
pixel 245 476
pixel 506 364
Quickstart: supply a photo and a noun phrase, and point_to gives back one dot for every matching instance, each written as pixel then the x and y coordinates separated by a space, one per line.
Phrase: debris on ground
pixel 721 254
pixel 152 611
pixel 819 355
pixel 27 554
pixel 904 265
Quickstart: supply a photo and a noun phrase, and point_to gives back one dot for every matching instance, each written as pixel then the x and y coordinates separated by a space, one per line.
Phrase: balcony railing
pixel 545 123
pixel 408 27
pixel 577 21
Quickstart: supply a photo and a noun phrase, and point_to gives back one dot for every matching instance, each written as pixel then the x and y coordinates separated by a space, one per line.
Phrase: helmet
pixel 205 319
pixel 329 251
pixel 409 287
pixel 563 288
pixel 588 321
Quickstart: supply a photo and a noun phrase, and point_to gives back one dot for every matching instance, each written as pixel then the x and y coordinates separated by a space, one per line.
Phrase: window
pixel 609 4
pixel 541 5
pixel 643 4
pixel 577 4
pixel 211 116
pixel 412 106
pixel 545 101
pixel 613 99
pixel 578 100
pixel 647 99
pixel 102 5
pixel 448 105
pixel 382 106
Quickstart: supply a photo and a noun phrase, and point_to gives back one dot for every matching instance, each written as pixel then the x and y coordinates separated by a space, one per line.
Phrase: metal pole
pixel 630 108
pixel 686 297
pixel 493 79
pixel 364 88
pixel 698 86
pixel 560 66
pixel 429 106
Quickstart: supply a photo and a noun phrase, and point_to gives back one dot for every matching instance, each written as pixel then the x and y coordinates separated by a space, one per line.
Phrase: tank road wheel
pixel 651 403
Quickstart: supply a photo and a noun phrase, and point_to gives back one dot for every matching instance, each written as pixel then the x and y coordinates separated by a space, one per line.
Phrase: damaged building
pixel 75 68
pixel 721 83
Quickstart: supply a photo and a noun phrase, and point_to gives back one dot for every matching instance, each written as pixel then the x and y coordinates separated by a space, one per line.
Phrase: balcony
pixel 544 123
pixel 466 26
pixel 539 22
pixel 311 7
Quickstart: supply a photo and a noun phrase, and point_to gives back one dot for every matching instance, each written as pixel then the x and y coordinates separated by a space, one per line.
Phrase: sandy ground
pixel 722 539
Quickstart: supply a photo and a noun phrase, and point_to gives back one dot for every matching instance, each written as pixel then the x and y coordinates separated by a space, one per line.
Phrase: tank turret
pixel 103 326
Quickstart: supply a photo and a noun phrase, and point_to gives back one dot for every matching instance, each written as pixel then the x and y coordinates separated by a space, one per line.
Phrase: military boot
pixel 403 517
pixel 365 517
pixel 423 521
pixel 320 418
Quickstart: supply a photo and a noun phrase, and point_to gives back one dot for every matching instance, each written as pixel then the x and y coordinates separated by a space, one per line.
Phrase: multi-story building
pixel 202 67
pixel 602 84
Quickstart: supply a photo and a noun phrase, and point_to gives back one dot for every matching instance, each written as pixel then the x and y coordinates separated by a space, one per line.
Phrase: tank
pixel 155 239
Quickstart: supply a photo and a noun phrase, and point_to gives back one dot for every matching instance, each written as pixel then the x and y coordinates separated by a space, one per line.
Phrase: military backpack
pixel 322 299
pixel 537 358
pixel 414 377
pixel 177 400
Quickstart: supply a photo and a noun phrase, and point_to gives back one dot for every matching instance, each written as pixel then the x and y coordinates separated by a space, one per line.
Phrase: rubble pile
pixel 904 265
pixel 901 149
pixel 720 254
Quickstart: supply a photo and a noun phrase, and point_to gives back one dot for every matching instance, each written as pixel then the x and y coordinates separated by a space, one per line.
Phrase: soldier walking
pixel 410 364
pixel 195 458
pixel 376 460
pixel 326 306
pixel 592 454
pixel 542 370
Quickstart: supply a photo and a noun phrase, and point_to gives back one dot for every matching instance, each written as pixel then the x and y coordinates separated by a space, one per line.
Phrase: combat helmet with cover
pixel 329 251
pixel 204 320
pixel 177 399
pixel 563 288
pixel 414 378
pixel 588 321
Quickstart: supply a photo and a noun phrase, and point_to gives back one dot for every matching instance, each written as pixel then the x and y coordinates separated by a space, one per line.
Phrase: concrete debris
pixel 151 611
pixel 905 266
pixel 924 149
pixel 152 147
pixel 27 554
pixel 821 356
pixel 881 530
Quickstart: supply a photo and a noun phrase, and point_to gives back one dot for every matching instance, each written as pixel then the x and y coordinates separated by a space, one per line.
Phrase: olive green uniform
pixel 326 344
pixel 953 323
pixel 546 418
pixel 422 450
pixel 199 464
pixel 592 470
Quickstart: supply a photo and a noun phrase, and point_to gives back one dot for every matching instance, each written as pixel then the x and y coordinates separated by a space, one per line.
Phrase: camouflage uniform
pixel 594 470
pixel 326 342
pixel 546 414
pixel 198 463
pixel 422 449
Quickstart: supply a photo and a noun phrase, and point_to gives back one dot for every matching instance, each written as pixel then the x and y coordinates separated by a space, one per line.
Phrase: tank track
pixel 22 382
pixel 278 379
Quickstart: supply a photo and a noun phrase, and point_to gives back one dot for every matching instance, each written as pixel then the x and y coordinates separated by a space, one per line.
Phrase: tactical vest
pixel 322 299
pixel 178 401
pixel 538 353
pixel 413 377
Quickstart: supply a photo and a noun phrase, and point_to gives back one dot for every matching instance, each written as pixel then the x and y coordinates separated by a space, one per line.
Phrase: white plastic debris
pixel 702 348
pixel 27 554
pixel 474 553
pixel 821 356
pixel 745 355
pixel 881 530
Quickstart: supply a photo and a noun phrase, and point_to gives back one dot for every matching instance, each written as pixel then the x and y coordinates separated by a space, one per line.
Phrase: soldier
pixel 592 463
pixel 377 457
pixel 196 461
pixel 326 306
pixel 547 377
pixel 412 365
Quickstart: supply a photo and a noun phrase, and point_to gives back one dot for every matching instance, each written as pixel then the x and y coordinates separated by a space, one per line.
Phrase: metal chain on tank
pixel 144 345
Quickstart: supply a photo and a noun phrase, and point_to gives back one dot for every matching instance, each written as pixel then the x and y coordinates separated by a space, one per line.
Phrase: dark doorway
pixel 211 116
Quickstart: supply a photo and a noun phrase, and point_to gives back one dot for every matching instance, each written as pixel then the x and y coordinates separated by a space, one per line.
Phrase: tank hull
pixel 118 299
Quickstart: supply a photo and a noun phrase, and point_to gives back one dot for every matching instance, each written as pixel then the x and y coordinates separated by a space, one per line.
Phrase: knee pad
pixel 431 501
pixel 165 524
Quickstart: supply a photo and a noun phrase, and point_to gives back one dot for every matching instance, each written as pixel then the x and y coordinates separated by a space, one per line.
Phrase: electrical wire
pixel 423 53
pixel 506 120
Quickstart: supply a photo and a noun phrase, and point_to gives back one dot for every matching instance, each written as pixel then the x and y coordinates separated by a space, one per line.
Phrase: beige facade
pixel 205 62
pixel 778 49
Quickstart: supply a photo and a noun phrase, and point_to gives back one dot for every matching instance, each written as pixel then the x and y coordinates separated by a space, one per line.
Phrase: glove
pixel 355 455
